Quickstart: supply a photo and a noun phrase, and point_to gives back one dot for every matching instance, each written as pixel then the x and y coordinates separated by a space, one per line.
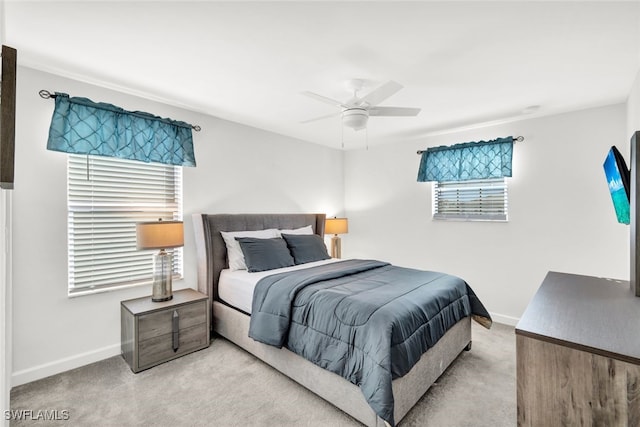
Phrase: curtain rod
pixel 46 95
pixel 516 139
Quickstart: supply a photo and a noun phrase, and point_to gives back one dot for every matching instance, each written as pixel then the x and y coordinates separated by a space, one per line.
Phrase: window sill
pixel 84 292
pixel 469 220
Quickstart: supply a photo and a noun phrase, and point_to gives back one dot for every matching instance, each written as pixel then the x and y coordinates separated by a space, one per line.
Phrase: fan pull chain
pixel 342 134
pixel 366 137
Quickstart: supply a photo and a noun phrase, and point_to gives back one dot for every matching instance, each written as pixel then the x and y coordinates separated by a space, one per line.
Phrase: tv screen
pixel 618 178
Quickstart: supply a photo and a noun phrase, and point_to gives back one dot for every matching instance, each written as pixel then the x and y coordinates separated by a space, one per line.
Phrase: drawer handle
pixel 175 330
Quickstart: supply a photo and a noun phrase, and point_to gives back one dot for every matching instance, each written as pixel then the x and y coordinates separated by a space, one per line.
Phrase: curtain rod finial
pixel 46 94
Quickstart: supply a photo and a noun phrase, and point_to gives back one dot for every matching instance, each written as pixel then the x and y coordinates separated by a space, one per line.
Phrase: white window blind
pixel 106 198
pixel 484 199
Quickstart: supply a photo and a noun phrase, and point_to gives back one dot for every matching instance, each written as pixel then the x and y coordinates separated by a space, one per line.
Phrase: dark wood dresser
pixel 578 354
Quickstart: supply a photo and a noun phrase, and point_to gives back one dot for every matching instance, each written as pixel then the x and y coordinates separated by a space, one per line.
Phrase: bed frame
pixel 233 324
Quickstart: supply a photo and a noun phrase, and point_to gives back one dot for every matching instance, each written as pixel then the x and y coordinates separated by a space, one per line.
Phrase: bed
pixel 234 324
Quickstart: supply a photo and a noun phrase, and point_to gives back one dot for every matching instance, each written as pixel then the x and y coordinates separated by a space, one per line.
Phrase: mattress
pixel 236 287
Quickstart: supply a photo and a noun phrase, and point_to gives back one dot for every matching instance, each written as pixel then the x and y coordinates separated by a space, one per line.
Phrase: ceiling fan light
pixel 355 118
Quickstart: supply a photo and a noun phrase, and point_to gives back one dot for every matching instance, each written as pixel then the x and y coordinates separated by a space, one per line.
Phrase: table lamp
pixel 160 235
pixel 336 226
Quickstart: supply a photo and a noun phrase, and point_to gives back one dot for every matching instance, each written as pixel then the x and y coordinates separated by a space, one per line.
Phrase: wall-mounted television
pixel 618 178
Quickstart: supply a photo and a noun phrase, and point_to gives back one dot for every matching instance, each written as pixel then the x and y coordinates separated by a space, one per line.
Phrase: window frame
pixel 492 211
pixel 106 197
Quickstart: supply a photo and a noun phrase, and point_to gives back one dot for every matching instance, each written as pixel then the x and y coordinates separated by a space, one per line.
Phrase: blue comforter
pixel 365 320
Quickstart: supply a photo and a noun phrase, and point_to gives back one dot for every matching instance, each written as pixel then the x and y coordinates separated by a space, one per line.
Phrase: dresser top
pixel 587 313
pixel 146 305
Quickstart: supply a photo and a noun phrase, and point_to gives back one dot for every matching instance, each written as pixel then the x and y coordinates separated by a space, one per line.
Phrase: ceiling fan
pixel 356 111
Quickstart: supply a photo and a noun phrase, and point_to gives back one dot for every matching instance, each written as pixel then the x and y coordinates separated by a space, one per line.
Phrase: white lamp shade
pixel 159 234
pixel 336 226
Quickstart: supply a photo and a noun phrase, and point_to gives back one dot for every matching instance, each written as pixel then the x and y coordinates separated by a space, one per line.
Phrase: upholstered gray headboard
pixel 210 247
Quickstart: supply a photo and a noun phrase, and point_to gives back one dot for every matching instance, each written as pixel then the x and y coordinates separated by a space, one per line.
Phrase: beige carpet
pixel 225 386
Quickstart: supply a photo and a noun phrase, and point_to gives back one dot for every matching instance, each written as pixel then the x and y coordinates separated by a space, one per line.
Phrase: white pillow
pixel 234 252
pixel 302 230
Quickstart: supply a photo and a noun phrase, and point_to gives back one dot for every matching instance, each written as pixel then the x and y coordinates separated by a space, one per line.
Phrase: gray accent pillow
pixel 265 254
pixel 306 247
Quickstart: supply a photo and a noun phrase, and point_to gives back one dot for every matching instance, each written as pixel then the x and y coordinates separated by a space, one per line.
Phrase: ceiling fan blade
pixel 380 94
pixel 393 111
pixel 324 99
pixel 322 117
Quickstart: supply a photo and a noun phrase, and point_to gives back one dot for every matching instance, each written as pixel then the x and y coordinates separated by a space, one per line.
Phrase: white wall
pixel 633 104
pixel 633 108
pixel 560 213
pixel 240 169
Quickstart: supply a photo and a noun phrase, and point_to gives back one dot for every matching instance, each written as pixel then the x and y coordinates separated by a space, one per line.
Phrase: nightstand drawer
pixel 160 323
pixel 158 349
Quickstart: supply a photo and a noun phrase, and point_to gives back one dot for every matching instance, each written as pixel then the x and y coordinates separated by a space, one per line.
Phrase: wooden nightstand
pixel 156 332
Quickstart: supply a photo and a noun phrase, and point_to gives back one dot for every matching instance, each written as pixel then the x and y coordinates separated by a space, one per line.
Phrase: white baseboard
pixel 62 365
pixel 504 319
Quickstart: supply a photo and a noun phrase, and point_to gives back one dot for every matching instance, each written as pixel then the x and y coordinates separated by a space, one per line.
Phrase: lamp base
pixel 162 279
pixel 335 247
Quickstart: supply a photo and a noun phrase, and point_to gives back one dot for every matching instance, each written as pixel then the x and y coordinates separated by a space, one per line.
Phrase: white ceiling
pixel 463 63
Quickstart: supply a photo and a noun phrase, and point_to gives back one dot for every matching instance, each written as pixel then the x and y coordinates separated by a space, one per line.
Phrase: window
pixel 477 200
pixel 106 197
pixel 469 179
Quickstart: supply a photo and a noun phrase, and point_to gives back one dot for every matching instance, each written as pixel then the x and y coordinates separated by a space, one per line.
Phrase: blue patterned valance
pixel 470 160
pixel 81 126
